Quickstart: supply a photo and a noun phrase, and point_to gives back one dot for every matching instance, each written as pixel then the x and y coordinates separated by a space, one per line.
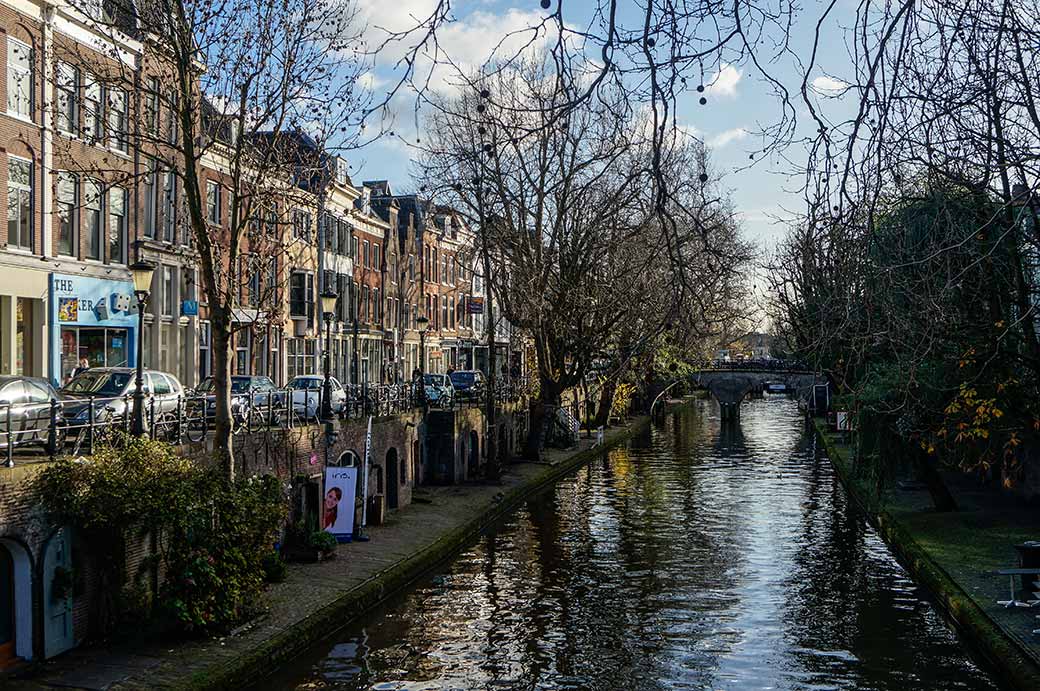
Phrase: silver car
pixel 111 390
pixel 307 391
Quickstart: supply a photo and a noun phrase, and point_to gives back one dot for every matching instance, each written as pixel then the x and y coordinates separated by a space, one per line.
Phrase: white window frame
pixel 117 118
pixel 20 188
pixel 63 203
pixel 66 84
pixel 15 105
pixel 118 197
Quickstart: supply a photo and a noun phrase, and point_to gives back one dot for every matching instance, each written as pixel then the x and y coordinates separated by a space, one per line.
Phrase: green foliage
pixel 213 534
pixel 322 541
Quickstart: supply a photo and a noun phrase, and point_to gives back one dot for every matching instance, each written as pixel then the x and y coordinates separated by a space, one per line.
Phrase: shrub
pixel 322 541
pixel 215 534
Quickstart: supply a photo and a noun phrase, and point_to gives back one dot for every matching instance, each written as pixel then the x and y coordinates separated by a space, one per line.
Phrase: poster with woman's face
pixel 337 508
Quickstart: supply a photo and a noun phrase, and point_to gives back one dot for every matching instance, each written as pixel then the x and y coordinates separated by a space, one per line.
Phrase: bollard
pixel 151 418
pixel 52 429
pixel 10 439
pixel 179 429
pixel 90 428
pixel 249 412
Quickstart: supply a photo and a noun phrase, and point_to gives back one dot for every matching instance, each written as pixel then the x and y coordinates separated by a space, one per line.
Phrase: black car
pixel 469 384
pixel 25 412
pixel 256 394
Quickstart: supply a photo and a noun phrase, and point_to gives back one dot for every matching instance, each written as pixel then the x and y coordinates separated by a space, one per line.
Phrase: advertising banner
pixel 338 504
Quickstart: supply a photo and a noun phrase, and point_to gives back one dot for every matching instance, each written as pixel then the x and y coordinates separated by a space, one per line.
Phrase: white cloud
pixel 728 137
pixel 370 82
pixel 828 86
pixel 724 82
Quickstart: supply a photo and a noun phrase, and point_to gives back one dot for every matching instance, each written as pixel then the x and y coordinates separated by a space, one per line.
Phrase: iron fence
pixel 54 429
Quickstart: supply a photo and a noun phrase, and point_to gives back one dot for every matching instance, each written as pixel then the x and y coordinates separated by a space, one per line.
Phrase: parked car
pixel 28 400
pixel 469 384
pixel 306 392
pixel 112 388
pixel 256 394
pixel 439 389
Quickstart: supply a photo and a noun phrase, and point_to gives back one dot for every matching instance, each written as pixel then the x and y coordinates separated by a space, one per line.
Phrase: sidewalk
pixel 953 553
pixel 316 599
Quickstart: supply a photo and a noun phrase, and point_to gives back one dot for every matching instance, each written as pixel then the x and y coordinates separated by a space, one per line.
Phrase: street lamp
pixel 142 271
pixel 328 308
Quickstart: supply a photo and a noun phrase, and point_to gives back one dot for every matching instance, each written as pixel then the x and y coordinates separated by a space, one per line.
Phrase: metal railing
pixel 77 426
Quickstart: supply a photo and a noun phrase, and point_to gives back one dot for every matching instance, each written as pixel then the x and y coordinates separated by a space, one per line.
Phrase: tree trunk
pixel 606 402
pixel 942 499
pixel 223 423
pixel 549 397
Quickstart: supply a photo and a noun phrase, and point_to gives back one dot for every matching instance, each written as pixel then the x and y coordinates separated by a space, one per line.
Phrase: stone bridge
pixel 730 385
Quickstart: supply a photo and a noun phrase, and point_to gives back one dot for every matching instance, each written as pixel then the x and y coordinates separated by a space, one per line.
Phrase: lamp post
pixel 142 271
pixel 328 307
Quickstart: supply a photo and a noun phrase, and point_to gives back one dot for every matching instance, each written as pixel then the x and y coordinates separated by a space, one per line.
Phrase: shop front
pixel 94 324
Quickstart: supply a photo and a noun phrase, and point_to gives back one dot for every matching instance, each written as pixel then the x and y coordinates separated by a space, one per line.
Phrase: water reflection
pixel 708 555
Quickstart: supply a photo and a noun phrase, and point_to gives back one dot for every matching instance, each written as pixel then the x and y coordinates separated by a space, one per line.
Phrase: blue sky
pixel 739 104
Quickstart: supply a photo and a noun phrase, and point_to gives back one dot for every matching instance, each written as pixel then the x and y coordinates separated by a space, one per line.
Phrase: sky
pixel 739 104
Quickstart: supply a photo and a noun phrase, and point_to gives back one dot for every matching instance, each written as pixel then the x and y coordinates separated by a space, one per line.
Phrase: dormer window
pixel 342 176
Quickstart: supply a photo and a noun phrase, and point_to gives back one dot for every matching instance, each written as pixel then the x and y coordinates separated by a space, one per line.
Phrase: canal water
pixel 698 556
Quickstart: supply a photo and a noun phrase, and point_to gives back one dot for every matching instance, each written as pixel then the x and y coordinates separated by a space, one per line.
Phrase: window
pixel 376 257
pixel 376 305
pixel 151 108
pixel 242 352
pixel 169 290
pixel 91 108
pixel 301 295
pixel 213 202
pixel 19 78
pixel 342 297
pixel 354 247
pixel 343 231
pixel 171 119
pixel 170 207
pixel 300 352
pixel 92 197
pixel 67 216
pixel 451 313
pixel 302 225
pixel 117 225
pixel 19 203
pixel 444 312
pixel 150 187
pixel 366 297
pixel 66 82
pixel 272 280
pixel 411 267
pixel 117 119
pixel 355 302
pixel 367 257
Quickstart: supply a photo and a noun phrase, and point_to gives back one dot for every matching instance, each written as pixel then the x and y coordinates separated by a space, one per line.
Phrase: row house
pixel 73 189
pixel 438 278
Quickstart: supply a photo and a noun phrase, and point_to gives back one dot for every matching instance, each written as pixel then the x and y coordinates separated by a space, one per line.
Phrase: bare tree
pixel 218 103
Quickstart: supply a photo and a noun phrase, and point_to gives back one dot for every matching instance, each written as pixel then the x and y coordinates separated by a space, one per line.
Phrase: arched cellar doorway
pixel 15 603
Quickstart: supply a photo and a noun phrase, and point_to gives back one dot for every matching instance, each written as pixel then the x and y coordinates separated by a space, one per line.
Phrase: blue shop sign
pixel 190 308
pixel 86 301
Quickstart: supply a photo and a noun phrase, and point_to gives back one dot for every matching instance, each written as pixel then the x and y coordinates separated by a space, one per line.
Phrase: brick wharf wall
pixel 24 528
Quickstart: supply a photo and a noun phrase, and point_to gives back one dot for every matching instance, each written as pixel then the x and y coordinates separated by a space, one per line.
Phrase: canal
pixel 698 556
